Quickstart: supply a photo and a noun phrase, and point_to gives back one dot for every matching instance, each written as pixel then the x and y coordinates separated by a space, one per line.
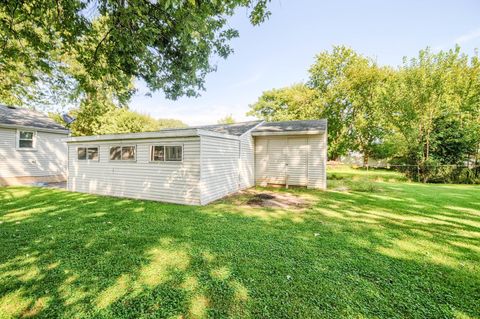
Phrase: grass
pixel 372 246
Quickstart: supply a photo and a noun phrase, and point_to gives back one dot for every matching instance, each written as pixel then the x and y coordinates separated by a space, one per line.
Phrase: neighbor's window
pixel 161 153
pixel 122 153
pixel 26 139
pixel 90 153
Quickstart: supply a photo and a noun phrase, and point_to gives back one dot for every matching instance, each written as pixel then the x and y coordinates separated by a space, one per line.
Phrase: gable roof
pixel 236 129
pixel 21 117
pixel 285 127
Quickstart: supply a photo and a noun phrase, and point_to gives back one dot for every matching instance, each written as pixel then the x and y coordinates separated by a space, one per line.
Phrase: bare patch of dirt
pixel 284 200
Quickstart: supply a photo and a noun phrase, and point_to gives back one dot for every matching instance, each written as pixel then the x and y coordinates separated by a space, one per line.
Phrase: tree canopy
pixel 78 48
pixel 425 111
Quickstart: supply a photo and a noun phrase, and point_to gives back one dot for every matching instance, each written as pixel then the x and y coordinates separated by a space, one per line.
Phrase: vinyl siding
pixel 175 182
pixel 317 161
pixel 48 159
pixel 247 161
pixel 219 167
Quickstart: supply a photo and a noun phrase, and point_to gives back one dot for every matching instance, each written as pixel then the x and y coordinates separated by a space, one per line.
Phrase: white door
pixel 297 161
pixel 281 160
pixel 276 162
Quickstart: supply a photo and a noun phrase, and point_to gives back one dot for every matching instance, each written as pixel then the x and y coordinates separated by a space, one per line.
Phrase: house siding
pixel 175 182
pixel 247 161
pixel 317 161
pixel 48 159
pixel 219 167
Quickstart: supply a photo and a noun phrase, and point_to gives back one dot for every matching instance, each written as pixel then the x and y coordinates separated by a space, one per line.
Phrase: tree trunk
pixel 365 160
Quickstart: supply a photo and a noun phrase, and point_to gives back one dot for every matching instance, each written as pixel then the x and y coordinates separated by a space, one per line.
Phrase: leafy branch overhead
pixel 106 44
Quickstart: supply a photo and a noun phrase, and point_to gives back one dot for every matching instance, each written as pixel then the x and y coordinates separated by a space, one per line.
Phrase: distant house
pixel 32 147
pixel 200 164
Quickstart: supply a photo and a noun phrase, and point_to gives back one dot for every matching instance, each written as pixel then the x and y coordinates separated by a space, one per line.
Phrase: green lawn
pixel 372 246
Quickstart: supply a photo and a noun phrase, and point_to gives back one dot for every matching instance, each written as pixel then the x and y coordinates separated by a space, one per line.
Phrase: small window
pixel 26 139
pixel 157 153
pixel 162 153
pixel 81 153
pixel 90 153
pixel 115 153
pixel 122 153
pixel 173 153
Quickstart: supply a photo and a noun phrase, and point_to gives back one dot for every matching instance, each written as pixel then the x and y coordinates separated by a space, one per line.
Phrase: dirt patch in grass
pixel 264 198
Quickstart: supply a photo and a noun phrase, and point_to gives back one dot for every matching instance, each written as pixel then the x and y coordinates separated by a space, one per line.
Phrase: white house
pixel 32 147
pixel 200 164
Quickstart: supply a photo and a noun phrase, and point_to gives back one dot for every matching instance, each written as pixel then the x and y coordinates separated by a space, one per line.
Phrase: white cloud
pixel 468 37
pixel 462 39
pixel 191 113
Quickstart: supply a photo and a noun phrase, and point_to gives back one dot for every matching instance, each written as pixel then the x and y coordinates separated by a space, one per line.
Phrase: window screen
pixel 82 153
pixel 124 153
pixel 173 153
pixel 128 153
pixel 25 139
pixel 115 153
pixel 92 153
pixel 157 153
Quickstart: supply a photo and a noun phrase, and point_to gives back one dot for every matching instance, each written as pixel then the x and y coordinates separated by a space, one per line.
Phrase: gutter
pixel 34 128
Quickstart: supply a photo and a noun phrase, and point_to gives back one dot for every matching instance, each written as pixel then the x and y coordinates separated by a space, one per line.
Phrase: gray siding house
pixel 200 164
pixel 32 147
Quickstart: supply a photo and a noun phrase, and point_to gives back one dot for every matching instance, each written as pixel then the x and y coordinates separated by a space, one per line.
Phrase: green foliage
pixel 425 111
pixel 106 44
pixel 297 102
pixel 407 250
pixel 227 120
pixel 94 119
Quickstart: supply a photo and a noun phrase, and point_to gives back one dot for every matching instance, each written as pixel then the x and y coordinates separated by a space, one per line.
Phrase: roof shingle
pixel 28 118
pixel 292 126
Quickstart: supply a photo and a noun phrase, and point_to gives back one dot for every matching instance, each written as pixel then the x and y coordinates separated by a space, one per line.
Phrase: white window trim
pixel 34 141
pixel 134 160
pixel 86 159
pixel 164 154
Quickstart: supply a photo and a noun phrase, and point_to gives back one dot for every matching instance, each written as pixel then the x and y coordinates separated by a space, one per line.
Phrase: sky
pixel 280 51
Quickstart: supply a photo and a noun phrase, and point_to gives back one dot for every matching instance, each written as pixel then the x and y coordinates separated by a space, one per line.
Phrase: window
pixel 161 153
pixel 122 153
pixel 158 153
pixel 26 139
pixel 90 153
pixel 173 153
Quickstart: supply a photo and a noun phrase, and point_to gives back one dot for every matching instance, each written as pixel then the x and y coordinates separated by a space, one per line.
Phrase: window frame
pixel 121 153
pixel 150 158
pixel 86 154
pixel 34 140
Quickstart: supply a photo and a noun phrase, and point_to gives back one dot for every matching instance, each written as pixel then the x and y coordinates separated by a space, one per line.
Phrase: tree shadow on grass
pixel 350 255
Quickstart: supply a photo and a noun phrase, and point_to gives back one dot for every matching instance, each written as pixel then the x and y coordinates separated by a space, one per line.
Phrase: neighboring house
pixel 32 147
pixel 356 159
pixel 201 164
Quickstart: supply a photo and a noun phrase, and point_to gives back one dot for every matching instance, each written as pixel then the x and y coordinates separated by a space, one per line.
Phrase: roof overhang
pixel 279 133
pixel 34 128
pixel 149 135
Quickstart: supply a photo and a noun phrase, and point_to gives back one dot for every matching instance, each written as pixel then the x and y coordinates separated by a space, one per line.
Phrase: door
pixel 276 162
pixel 297 161
pixel 281 160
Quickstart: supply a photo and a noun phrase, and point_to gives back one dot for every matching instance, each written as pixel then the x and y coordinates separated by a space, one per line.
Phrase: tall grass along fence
pixel 447 174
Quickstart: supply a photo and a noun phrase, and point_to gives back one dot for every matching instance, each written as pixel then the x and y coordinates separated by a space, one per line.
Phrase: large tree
pixel 344 87
pixel 435 97
pixel 96 45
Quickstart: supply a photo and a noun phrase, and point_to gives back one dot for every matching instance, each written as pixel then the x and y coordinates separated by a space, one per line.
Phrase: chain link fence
pixel 446 174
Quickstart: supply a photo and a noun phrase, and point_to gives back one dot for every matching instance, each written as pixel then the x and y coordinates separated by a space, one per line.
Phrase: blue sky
pixel 279 52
